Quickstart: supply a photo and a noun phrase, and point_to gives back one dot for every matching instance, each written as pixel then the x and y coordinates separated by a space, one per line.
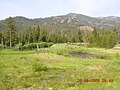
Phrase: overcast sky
pixel 45 8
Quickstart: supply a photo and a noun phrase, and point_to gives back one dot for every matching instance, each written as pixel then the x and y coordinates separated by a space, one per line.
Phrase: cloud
pixel 11 9
pixel 43 8
pixel 98 7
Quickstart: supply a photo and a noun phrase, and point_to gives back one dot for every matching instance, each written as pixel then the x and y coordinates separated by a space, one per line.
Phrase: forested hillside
pixel 70 28
pixel 63 22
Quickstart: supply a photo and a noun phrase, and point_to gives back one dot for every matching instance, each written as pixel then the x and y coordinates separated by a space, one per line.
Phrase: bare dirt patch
pixel 48 56
pixel 98 67
pixel 84 54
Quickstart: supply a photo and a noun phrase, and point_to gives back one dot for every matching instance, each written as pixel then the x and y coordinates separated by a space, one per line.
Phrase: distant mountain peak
pixel 70 20
pixel 75 14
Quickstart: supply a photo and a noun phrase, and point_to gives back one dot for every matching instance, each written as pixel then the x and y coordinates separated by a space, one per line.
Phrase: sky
pixel 46 8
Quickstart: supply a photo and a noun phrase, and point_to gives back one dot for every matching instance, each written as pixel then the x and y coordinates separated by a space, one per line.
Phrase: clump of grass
pixel 1 47
pixel 37 67
pixel 117 56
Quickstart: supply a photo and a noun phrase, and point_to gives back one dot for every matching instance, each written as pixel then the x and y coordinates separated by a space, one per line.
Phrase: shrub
pixel 19 46
pixel 37 67
pixel 32 46
pixel 44 44
pixel 1 47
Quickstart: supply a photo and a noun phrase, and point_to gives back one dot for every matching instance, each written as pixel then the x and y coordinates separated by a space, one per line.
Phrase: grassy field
pixel 55 68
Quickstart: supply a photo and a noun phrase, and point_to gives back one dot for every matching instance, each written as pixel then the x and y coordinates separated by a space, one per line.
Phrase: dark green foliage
pixel 48 33
pixel 10 34
pixel 94 40
pixel 10 23
pixel 103 39
pixel 1 46
pixel 32 46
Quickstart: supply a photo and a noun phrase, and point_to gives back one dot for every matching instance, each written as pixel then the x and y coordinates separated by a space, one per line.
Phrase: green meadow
pixel 60 67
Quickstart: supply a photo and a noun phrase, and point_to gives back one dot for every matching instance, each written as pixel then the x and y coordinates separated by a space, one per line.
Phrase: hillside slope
pixel 64 22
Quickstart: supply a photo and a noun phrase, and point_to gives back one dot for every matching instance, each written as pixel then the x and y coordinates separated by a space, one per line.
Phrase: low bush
pixel 32 46
pixel 1 47
pixel 19 46
pixel 37 67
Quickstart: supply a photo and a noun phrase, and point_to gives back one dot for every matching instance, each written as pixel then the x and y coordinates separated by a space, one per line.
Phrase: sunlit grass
pixel 59 71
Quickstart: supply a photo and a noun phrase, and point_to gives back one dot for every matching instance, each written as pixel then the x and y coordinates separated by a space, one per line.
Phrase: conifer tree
pixel 11 32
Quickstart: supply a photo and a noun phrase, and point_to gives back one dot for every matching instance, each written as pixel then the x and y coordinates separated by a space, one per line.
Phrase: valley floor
pixel 60 67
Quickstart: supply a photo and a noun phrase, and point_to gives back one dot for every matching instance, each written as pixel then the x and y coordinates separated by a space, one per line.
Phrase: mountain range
pixel 63 22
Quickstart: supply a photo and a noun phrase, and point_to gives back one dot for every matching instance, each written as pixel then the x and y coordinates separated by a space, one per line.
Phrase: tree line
pixel 97 38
